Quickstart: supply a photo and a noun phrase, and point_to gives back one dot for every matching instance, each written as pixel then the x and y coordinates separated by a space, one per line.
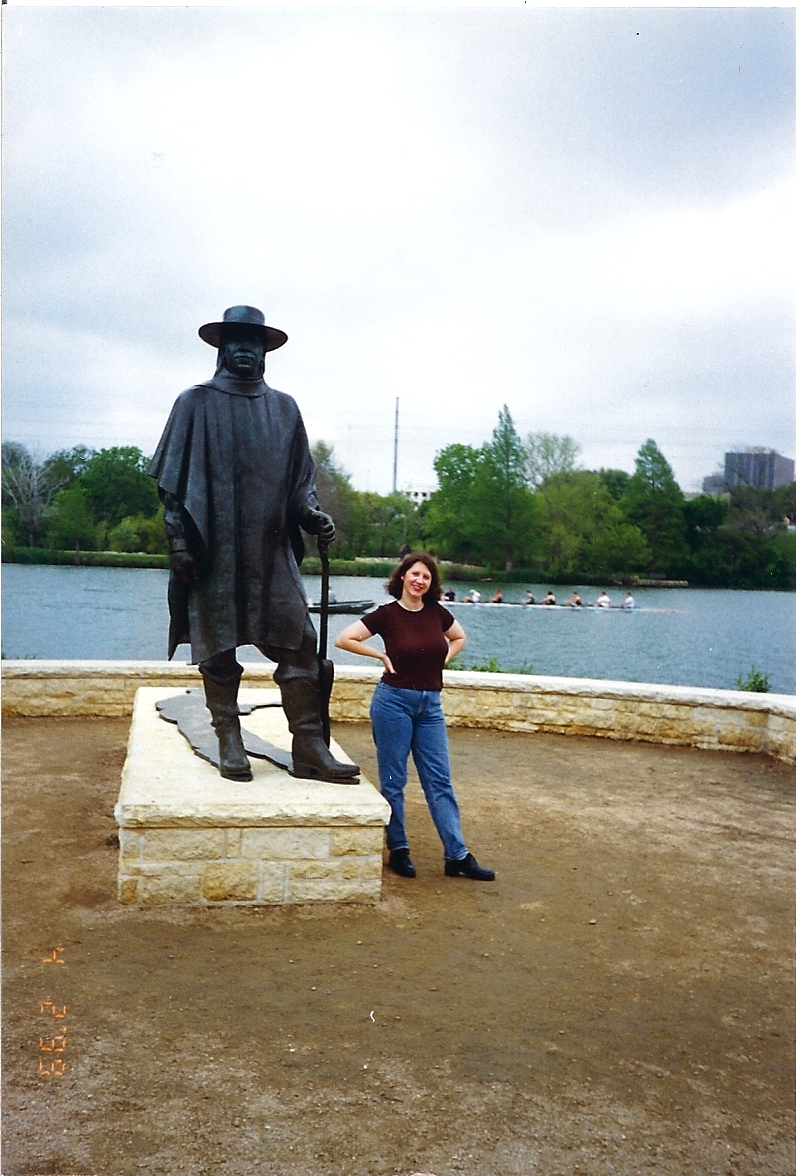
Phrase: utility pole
pixel 395 452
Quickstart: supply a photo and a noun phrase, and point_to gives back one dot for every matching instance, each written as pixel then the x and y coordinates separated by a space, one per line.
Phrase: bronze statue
pixel 237 481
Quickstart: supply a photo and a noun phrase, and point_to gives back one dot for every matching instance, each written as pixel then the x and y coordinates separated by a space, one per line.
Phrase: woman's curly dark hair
pixel 395 583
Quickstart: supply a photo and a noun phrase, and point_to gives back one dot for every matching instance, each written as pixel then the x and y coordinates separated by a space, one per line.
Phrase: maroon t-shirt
pixel 414 642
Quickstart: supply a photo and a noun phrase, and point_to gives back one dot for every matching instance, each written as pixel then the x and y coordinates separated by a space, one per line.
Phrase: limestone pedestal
pixel 189 837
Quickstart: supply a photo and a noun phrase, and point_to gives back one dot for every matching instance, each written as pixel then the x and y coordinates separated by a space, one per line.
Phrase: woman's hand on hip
pixel 353 639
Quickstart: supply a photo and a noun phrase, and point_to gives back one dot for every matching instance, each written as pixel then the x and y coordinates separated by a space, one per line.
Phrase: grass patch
pixel 492 666
pixel 90 559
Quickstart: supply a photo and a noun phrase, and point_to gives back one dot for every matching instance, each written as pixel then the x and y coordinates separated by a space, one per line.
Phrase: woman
pixel 420 636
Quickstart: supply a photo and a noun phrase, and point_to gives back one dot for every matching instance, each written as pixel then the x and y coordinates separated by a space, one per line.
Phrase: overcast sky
pixel 586 214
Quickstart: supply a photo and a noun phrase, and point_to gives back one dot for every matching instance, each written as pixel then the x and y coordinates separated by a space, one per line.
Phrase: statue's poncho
pixel 235 455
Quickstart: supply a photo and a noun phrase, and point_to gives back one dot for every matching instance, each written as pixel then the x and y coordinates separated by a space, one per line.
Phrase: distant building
pixel 419 494
pixel 762 469
pixel 714 484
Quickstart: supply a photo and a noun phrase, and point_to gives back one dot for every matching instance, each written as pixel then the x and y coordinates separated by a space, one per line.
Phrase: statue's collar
pixel 235 386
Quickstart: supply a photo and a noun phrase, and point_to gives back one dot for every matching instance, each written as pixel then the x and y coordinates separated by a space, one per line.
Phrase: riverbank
pixel 619 1000
pixel 311 566
pixel 91 559
pixel 138 559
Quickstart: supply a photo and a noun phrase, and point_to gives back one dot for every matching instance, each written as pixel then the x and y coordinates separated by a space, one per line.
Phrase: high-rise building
pixel 762 469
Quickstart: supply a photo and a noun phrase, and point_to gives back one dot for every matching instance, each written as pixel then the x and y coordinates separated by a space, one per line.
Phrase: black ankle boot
pixel 233 763
pixel 468 867
pixel 301 704
pixel 401 863
pixel 312 760
pixel 222 702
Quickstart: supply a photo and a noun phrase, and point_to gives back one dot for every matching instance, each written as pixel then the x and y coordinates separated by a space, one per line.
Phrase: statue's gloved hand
pixel 184 567
pixel 315 522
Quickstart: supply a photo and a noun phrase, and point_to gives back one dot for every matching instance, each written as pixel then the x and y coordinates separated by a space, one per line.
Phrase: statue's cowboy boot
pixel 222 702
pixel 311 757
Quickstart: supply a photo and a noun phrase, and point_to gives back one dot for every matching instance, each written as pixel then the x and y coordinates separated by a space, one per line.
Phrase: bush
pixel 151 532
pixel 754 682
pixel 124 537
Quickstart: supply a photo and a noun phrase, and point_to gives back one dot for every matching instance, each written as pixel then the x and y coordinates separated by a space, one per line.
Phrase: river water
pixel 687 637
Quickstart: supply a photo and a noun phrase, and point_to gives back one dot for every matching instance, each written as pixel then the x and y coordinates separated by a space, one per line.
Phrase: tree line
pixel 516 502
pixel 82 499
pixel 511 503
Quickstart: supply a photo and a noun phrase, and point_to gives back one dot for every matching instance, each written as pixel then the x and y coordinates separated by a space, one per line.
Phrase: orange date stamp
pixel 52 1041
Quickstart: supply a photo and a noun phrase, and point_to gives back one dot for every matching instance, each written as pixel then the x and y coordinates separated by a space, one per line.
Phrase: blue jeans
pixel 412 720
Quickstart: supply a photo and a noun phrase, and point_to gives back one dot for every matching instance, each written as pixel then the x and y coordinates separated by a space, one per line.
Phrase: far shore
pixel 360 566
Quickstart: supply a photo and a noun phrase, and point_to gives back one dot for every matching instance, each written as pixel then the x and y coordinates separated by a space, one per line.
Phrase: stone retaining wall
pixel 725 720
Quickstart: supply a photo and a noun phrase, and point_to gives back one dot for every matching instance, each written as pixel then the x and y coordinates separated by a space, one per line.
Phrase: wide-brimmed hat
pixel 248 316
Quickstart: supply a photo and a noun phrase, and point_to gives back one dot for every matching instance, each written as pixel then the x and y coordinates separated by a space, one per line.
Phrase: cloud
pixel 585 214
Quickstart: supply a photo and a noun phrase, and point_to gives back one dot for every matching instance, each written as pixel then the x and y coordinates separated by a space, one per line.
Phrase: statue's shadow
pixel 192 717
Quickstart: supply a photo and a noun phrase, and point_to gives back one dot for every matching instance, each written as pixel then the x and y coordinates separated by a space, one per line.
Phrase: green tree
pixel 506 515
pixel 782 504
pixel 28 490
pixel 150 532
pixel 66 465
pixel 450 515
pixel 703 516
pixel 761 512
pixel 615 482
pixel 583 529
pixel 117 484
pixel 743 543
pixel 379 525
pixel 781 569
pixel 335 494
pixel 367 524
pixel 733 560
pixel 71 523
pixel 483 510
pixel 654 502
pixel 124 537
pixel 546 455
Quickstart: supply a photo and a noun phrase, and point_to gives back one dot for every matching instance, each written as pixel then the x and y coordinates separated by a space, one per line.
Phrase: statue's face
pixel 242 350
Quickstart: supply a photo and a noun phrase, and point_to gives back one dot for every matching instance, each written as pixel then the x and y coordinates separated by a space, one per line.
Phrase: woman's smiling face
pixel 417 580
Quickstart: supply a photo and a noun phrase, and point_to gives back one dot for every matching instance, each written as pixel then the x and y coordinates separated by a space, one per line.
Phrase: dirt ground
pixel 620 1000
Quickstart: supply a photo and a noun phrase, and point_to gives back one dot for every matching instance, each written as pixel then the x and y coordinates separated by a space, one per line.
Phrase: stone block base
pixel 189 837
